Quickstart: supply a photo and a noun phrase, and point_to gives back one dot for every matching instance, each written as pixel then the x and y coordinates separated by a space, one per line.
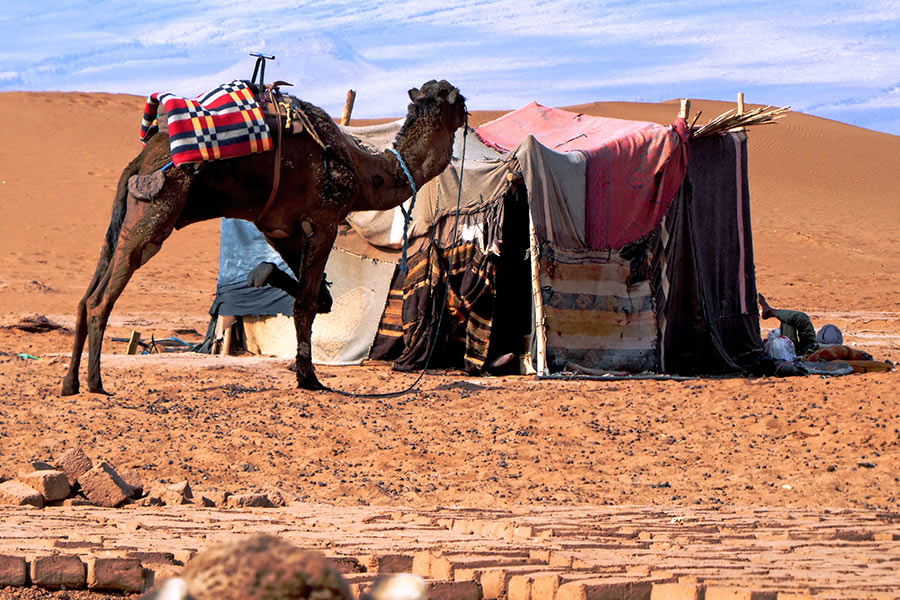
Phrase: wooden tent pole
pixel 740 103
pixel 348 107
pixel 685 111
pixel 541 342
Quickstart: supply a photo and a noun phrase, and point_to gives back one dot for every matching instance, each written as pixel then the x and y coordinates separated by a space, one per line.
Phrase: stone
pixel 133 478
pixel 74 463
pixel 52 485
pixel 217 498
pixel 58 571
pixel 13 571
pixel 182 488
pixel 116 574
pixel 19 494
pixel 250 501
pixel 104 487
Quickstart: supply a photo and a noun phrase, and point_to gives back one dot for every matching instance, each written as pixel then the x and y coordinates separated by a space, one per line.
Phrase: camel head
pixel 438 100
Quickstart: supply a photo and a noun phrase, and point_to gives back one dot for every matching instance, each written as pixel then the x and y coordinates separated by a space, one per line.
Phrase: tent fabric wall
pixel 241 248
pixel 597 316
pixel 343 336
pixel 706 281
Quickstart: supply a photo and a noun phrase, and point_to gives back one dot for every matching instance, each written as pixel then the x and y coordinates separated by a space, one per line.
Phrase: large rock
pixel 133 478
pixel 74 463
pixel 19 494
pixel 250 501
pixel 52 485
pixel 104 487
pixel 173 494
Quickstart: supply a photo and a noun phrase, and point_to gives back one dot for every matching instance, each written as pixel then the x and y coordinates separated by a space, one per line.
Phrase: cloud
pixel 502 53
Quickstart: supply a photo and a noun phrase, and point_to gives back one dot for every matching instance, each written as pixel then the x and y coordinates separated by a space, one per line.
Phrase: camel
pixel 321 181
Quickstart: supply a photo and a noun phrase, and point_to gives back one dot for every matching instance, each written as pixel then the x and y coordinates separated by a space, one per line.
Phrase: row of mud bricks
pixel 511 575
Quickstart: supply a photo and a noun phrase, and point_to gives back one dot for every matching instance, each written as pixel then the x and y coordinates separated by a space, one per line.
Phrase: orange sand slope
pixel 826 220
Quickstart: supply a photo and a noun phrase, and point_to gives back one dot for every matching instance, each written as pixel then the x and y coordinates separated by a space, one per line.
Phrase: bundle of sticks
pixel 732 120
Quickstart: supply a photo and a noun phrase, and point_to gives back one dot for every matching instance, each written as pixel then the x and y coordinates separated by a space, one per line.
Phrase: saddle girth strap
pixel 276 177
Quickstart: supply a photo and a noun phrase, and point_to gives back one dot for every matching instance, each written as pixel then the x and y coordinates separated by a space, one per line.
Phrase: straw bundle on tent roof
pixel 732 120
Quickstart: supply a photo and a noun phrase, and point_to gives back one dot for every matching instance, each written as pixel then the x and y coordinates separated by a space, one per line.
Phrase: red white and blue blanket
pixel 224 122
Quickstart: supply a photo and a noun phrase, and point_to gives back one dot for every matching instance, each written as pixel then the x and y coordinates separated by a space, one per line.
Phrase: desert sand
pixel 826 227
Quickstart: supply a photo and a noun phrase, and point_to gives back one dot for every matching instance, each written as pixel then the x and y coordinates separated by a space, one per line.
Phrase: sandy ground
pixel 826 223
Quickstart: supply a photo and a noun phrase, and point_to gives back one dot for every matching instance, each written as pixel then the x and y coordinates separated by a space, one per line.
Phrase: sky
pixel 839 60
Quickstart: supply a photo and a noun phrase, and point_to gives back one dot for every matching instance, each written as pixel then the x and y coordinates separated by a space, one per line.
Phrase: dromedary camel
pixel 318 187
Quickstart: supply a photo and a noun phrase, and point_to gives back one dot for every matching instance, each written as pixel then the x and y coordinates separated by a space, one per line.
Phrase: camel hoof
pixel 99 390
pixel 310 382
pixel 69 389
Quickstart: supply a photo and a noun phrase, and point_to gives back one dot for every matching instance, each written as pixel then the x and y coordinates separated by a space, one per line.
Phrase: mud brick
pixel 103 486
pixel 116 574
pixel 422 564
pixel 546 585
pixel 19 494
pixel 454 590
pixel 795 596
pixel 347 564
pixel 13 571
pixel 559 560
pixel 52 485
pixel 608 588
pixel 716 592
pixel 74 463
pixel 444 567
pixel 184 556
pixel 519 586
pixel 495 581
pixel 677 591
pixel 390 563
pixel 886 536
pixel 250 501
pixel 158 573
pixel 58 571
pixel 152 557
pixel 523 532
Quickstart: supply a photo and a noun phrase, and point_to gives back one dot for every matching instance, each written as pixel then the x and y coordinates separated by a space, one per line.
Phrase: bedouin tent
pixel 582 245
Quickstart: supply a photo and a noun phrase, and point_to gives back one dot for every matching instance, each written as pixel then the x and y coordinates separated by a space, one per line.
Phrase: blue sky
pixel 839 60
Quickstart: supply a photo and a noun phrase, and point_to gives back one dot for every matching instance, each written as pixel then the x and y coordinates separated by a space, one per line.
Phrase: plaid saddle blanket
pixel 224 122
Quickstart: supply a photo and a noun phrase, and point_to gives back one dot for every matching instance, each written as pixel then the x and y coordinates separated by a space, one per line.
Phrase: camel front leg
pixel 307 258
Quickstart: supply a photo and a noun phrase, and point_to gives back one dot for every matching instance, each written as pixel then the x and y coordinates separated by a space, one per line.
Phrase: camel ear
pixel 453 95
pixel 415 95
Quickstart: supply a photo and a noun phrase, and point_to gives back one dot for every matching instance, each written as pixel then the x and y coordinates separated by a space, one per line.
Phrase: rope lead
pixel 407 215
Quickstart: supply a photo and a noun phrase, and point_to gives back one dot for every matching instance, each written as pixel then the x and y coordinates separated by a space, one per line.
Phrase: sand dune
pixel 826 226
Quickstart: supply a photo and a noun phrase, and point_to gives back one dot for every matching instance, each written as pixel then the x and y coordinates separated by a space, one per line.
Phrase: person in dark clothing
pixel 795 325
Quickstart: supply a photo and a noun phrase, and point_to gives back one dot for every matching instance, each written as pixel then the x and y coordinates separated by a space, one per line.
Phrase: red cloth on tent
pixel 634 168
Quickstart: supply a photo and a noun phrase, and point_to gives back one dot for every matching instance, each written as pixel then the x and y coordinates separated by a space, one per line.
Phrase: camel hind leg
pixel 70 383
pixel 144 229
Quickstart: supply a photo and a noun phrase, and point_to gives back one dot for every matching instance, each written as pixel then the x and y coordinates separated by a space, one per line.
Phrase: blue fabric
pixel 241 248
